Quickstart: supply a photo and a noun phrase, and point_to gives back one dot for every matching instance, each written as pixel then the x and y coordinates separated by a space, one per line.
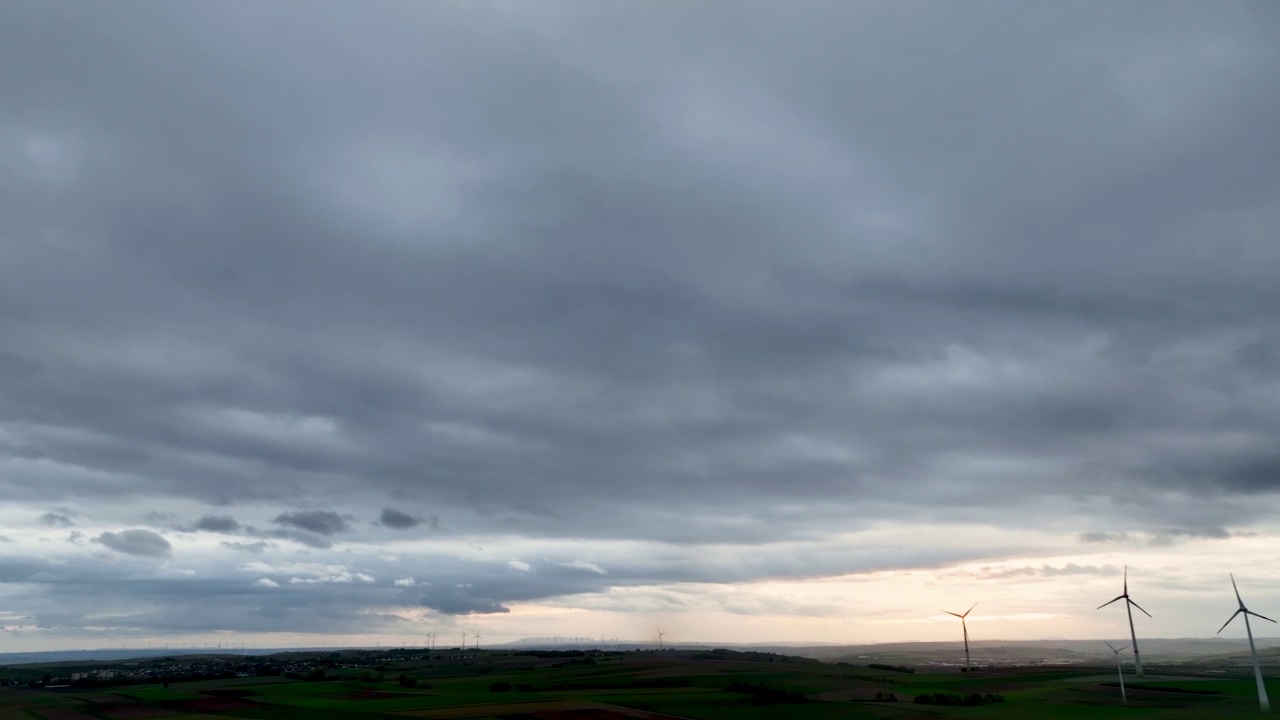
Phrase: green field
pixel 673 684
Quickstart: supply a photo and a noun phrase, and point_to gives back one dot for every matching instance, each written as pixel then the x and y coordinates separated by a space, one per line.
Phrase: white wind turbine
pixel 1263 702
pixel 1120 670
pixel 660 634
pixel 477 639
pixel 965 627
pixel 1129 603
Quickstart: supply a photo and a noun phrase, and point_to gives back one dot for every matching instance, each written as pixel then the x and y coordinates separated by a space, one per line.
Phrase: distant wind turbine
pixel 660 634
pixel 965 627
pixel 1129 603
pixel 1263 702
pixel 464 641
pixel 477 640
pixel 1116 651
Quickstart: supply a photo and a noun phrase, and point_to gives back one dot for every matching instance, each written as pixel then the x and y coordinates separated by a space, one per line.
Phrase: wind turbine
pixel 1129 603
pixel 1263 702
pixel 965 627
pixel 477 640
pixel 1123 698
pixel 464 641
pixel 660 634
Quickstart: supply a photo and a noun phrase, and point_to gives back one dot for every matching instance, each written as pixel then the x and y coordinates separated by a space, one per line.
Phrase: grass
pixel 460 690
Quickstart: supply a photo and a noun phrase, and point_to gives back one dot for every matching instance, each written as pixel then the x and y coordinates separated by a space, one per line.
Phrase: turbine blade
pixel 1104 642
pixel 951 613
pixel 1236 588
pixel 1118 597
pixel 1126 579
pixel 1228 622
pixel 1144 612
pixel 971 607
pixel 1264 617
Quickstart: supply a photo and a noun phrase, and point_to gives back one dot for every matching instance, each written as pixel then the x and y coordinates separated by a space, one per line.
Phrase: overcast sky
pixel 340 322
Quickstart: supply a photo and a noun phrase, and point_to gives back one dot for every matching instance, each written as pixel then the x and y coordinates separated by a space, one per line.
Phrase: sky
pixel 329 323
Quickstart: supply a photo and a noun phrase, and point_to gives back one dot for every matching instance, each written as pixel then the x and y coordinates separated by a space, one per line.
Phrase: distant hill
pixel 1002 651
pixel 1175 650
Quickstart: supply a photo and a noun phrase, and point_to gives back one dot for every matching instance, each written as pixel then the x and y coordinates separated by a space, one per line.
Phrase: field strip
pixel 470 711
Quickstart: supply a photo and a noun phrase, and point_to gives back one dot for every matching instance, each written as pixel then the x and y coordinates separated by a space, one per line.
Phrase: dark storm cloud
pixel 136 542
pixel 707 274
pixel 393 518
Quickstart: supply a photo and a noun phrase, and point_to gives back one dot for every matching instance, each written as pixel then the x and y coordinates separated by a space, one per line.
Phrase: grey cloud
pixel 217 523
pixel 144 543
pixel 1168 536
pixel 253 547
pixel 662 273
pixel 161 519
pixel 1102 537
pixel 1074 569
pixel 1047 570
pixel 457 602
pixel 310 539
pixel 57 519
pixel 323 522
pixel 393 518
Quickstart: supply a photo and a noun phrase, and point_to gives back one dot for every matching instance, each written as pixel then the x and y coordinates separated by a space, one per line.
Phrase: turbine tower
pixel 1116 651
pixel 1128 604
pixel 1263 702
pixel 963 626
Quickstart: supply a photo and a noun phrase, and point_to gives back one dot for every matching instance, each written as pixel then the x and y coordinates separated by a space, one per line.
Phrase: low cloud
pixel 460 601
pixel 343 576
pixel 1103 537
pixel 1168 537
pixel 322 522
pixel 405 582
pixel 143 543
pixel 217 523
pixel 309 539
pixel 393 518
pixel 1074 569
pixel 1048 571
pixel 57 519
pixel 254 547
pixel 267 582
pixel 584 565
pixel 520 566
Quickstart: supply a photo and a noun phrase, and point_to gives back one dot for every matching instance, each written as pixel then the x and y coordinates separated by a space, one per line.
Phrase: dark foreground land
pixel 703 685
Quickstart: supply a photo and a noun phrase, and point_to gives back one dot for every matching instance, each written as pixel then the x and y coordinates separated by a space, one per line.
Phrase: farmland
pixel 699 685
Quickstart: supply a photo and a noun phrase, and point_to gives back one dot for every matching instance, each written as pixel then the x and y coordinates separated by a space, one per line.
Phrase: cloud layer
pixel 728 286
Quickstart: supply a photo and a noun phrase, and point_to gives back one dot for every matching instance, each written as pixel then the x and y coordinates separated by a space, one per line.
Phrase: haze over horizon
pixel 335 324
